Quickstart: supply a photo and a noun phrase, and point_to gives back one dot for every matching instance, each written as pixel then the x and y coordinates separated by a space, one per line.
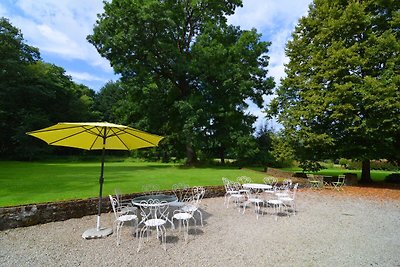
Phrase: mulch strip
pixel 383 191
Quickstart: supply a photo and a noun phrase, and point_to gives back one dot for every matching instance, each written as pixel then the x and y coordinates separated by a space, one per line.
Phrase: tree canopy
pixel 33 95
pixel 341 96
pixel 187 74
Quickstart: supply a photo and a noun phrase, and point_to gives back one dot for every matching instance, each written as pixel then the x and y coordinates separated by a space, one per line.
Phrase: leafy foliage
pixel 341 96
pixel 310 166
pixel 33 95
pixel 186 72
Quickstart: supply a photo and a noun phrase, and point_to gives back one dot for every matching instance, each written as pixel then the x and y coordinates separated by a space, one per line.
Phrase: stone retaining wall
pixel 28 215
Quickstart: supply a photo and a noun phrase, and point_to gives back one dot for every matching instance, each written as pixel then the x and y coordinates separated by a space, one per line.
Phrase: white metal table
pixel 257 186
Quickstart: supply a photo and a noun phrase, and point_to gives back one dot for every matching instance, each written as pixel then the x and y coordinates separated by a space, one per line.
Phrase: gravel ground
pixel 331 229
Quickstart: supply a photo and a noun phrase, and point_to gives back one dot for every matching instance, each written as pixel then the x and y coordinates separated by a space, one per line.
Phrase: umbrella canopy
pixel 96 136
pixel 91 136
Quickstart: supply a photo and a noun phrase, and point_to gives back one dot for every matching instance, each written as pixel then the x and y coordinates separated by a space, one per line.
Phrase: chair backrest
pixel 198 193
pixel 244 180
pixel 153 209
pixel 295 190
pixel 234 186
pixel 341 179
pixel 151 189
pixel 118 195
pixel 181 191
pixel 269 180
pixel 286 184
pixel 310 175
pixel 114 205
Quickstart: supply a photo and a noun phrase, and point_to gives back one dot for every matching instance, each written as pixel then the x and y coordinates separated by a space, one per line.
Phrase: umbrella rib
pixel 123 130
pixel 97 136
pixel 117 135
pixel 66 137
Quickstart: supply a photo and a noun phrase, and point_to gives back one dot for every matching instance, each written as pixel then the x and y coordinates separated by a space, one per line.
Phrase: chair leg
pixel 201 217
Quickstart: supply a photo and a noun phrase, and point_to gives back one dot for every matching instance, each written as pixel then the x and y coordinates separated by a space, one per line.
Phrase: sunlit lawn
pixel 26 183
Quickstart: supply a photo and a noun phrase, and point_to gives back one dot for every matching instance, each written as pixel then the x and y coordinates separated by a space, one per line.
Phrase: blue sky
pixel 59 29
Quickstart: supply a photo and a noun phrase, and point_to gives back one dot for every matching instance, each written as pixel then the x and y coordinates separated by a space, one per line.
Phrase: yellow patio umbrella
pixel 96 136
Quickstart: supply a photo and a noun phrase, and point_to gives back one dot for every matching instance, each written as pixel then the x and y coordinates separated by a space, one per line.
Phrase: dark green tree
pixel 33 95
pixel 187 72
pixel 108 102
pixel 341 96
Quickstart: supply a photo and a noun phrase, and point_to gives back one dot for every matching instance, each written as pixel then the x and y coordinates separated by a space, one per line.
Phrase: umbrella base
pixel 94 233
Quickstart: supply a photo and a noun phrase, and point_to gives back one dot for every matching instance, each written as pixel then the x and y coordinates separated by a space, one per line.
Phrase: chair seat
pixel 269 191
pixel 238 195
pixel 127 209
pixel 154 222
pixel 189 208
pixel 275 202
pixel 286 199
pixel 182 216
pixel 255 200
pixel 176 204
pixel 126 218
pixel 280 195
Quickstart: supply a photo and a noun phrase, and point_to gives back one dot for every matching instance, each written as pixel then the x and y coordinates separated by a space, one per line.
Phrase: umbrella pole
pixel 101 180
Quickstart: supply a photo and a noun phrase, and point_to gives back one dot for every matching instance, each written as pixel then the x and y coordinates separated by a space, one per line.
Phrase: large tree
pixel 33 94
pixel 341 96
pixel 188 73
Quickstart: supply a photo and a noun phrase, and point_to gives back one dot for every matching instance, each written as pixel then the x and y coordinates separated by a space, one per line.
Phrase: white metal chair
pixel 121 217
pixel 276 205
pixel 253 198
pixel 244 180
pixel 232 191
pixel 338 185
pixel 290 200
pixel 182 193
pixel 154 213
pixel 151 189
pixel 272 181
pixel 184 218
pixel 193 206
pixel 283 190
pixel 127 204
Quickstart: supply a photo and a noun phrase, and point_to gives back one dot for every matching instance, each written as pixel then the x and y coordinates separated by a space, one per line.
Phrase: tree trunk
pixel 191 157
pixel 366 172
pixel 222 155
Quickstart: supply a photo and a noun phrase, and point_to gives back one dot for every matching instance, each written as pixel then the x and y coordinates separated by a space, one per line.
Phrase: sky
pixel 59 29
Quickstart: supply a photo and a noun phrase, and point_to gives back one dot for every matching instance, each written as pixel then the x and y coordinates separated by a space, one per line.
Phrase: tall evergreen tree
pixel 341 96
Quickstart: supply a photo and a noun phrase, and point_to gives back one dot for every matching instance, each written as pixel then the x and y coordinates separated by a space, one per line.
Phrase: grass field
pixel 39 182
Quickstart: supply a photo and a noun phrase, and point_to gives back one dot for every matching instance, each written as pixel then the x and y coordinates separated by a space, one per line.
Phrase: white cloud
pixel 60 28
pixel 84 76
pixel 276 21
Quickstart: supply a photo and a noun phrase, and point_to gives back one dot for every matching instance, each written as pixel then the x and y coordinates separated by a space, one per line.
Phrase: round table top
pixel 257 186
pixel 165 199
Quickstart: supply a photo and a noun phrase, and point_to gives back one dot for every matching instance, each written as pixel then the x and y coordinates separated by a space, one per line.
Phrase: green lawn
pixel 39 182
pixel 377 176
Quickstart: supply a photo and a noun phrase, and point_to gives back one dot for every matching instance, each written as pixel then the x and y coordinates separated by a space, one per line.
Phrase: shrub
pixel 311 166
pixel 375 165
pixel 343 162
pixel 393 178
